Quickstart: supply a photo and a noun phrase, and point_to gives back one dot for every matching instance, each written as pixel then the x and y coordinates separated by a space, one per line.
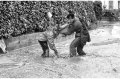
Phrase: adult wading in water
pixel 49 35
pixel 81 37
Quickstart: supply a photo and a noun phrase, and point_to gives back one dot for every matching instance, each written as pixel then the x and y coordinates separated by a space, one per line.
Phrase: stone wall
pixel 29 39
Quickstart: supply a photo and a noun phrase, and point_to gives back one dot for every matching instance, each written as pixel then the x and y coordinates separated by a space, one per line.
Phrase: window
pixel 110 5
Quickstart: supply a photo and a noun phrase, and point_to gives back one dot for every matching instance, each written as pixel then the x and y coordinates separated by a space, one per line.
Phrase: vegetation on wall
pixel 23 17
pixel 98 9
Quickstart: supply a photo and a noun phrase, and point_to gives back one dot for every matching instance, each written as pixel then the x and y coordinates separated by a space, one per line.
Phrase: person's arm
pixel 63 26
pixel 68 30
pixel 60 28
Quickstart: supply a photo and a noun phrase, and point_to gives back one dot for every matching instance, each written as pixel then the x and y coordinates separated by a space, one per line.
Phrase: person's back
pixel 85 31
pixel 77 26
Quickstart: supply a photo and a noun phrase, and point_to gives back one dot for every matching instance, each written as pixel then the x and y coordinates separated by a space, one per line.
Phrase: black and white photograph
pixel 60 39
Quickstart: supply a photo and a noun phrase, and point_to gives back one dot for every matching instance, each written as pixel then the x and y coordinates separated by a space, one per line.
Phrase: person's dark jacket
pixel 80 30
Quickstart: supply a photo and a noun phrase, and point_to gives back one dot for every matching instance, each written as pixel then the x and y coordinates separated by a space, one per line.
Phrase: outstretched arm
pixel 64 29
pixel 63 26
pixel 68 30
pixel 59 29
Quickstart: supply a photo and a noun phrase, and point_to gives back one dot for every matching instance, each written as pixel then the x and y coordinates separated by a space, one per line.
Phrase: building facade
pixel 111 4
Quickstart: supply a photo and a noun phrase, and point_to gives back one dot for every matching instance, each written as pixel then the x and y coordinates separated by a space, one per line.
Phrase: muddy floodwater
pixel 102 59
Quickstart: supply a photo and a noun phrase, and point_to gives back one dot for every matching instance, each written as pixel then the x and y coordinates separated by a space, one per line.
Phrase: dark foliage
pixel 98 9
pixel 23 17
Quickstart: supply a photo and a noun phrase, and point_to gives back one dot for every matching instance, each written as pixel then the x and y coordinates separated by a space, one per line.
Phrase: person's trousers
pixel 45 48
pixel 77 46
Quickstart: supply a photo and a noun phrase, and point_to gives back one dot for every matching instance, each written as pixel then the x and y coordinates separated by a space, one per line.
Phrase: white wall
pixel 115 4
pixel 106 2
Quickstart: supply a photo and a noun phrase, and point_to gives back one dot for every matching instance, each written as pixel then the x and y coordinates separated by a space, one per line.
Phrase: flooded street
pixel 102 59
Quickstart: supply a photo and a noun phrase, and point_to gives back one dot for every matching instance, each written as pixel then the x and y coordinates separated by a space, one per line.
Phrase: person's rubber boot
pixel 45 54
pixel 82 53
pixel 45 48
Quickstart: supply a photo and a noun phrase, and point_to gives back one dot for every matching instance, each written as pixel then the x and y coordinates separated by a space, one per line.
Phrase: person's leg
pixel 73 46
pixel 50 39
pixel 80 48
pixel 52 46
pixel 45 48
